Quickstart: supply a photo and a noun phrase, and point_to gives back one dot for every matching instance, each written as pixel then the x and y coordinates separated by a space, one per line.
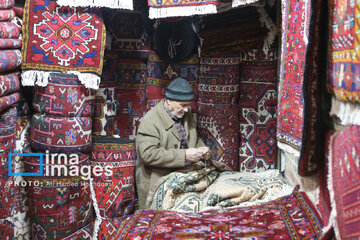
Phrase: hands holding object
pixel 195 154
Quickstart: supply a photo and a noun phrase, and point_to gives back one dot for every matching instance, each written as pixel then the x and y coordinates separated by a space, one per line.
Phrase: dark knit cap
pixel 179 90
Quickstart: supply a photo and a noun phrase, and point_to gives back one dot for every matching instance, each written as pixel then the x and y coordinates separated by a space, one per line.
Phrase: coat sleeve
pixel 200 142
pixel 152 155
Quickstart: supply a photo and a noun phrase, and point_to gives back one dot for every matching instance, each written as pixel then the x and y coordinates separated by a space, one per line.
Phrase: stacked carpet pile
pixel 61 124
pixel 10 60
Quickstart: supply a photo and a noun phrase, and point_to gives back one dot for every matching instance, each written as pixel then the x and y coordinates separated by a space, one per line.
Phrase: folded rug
pixel 9 60
pixel 289 217
pixel 198 187
pixel 19 10
pixel 61 134
pixel 6 15
pixel 64 96
pixel 62 39
pixel 5 4
pixel 9 83
pixel 178 8
pixel 58 190
pixel 10 43
pixel 68 196
pixel 9 30
pixel 8 121
pixel 7 143
pixel 9 100
pixel 22 226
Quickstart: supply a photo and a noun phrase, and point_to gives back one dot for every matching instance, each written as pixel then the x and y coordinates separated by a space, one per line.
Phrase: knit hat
pixel 179 90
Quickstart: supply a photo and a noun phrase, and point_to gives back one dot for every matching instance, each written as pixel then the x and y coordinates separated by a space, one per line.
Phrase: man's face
pixel 178 109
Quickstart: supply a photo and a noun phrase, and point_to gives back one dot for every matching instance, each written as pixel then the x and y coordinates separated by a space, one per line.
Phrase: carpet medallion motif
pixel 258 105
pixel 62 39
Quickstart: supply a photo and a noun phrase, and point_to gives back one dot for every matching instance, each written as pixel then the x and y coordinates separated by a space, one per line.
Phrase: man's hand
pixel 193 154
pixel 206 153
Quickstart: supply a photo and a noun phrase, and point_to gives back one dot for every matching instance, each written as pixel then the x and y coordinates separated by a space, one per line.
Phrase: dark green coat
pixel 158 148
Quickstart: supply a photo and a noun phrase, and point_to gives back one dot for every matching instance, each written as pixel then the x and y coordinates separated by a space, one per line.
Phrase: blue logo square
pixel 25 174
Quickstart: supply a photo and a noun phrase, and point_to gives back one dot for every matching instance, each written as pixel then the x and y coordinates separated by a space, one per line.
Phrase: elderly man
pixel 167 139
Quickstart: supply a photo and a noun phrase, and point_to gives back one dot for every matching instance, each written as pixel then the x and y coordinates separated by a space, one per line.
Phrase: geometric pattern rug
pixel 289 217
pixel 344 59
pixel 131 97
pixel 293 62
pixel 114 191
pixel 344 182
pixel 299 88
pixel 218 108
pixel 258 104
pixel 62 39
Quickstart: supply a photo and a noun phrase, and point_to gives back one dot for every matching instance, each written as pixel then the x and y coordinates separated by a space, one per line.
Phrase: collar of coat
pixel 167 121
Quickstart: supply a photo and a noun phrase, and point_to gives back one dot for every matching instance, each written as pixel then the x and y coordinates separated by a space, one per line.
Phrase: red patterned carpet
pixel 290 217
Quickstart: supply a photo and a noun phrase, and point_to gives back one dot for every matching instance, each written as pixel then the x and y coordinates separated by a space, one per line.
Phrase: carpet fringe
pixel 181 11
pixel 266 21
pixel 89 80
pixel 117 4
pixel 347 112
pixel 237 3
pixel 41 78
pixel 32 78
pixel 333 213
